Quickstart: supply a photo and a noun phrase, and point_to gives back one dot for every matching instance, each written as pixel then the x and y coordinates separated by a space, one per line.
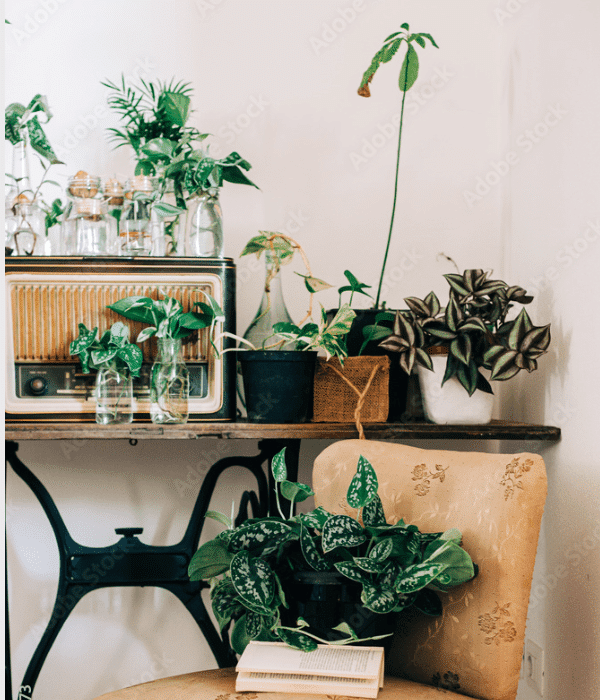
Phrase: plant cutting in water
pixel 250 567
pixel 112 353
pixel 328 336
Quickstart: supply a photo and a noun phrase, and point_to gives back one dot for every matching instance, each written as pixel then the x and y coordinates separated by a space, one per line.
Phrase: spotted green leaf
pixel 363 487
pixel 278 466
pixel 310 551
pixel 295 492
pixel 372 513
pixel 265 535
pixel 379 600
pixel 316 518
pixel 417 576
pixel 253 581
pixel 342 531
pixel 352 571
pixel 371 565
pixel 225 602
pixel 382 550
pixel 296 639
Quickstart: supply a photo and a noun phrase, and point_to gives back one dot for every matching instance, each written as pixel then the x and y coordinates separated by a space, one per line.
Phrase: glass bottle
pixel 204 225
pixel 28 228
pixel 90 228
pixel 272 309
pixel 20 182
pixel 81 188
pixel 135 231
pixel 114 397
pixel 169 384
pixel 114 198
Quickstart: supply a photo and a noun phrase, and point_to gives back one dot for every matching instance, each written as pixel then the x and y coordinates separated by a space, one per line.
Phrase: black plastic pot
pixel 398 378
pixel 325 599
pixel 278 385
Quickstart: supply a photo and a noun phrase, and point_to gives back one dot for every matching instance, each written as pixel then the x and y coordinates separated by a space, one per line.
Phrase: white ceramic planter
pixel 451 404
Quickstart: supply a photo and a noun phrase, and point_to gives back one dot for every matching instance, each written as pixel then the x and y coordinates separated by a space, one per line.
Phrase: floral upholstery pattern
pixel 497 502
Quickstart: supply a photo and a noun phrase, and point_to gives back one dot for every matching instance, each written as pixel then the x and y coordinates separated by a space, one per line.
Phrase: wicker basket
pixel 335 401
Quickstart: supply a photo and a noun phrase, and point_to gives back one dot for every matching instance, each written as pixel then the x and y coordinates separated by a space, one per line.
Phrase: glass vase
pixel 169 384
pixel 114 397
pixel 204 225
pixel 272 310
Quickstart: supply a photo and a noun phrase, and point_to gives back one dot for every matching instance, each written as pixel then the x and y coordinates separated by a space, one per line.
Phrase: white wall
pixel 552 231
pixel 486 84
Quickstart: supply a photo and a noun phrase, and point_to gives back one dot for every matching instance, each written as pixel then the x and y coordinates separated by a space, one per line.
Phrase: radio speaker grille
pixel 46 316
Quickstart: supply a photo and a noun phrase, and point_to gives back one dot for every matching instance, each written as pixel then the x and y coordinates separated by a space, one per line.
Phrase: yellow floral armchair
pixel 475 647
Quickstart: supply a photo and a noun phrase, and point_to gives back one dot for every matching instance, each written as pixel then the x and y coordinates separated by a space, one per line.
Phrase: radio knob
pixel 38 386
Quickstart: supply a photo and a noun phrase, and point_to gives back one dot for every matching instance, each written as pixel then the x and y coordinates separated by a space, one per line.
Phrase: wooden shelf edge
pixel 496 430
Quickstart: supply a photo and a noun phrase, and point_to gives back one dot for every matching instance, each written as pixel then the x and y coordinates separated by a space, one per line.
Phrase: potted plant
pixel 165 146
pixel 26 213
pixel 278 368
pixel 460 342
pixel 169 323
pixel 258 571
pixel 116 361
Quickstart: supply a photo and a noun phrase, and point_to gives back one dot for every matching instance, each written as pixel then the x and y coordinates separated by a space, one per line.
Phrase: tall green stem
pixel 387 248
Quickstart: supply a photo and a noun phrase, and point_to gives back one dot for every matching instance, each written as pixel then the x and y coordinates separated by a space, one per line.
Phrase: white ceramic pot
pixel 450 404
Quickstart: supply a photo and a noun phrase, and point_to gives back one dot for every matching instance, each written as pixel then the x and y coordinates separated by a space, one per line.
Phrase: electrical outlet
pixel 533 666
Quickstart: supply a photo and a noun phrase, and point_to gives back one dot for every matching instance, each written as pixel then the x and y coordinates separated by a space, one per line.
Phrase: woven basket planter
pixel 335 401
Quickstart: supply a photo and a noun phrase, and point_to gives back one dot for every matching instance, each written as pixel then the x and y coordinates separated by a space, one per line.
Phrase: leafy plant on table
pixel 328 336
pixel 475 328
pixel 407 78
pixel 155 116
pixel 249 567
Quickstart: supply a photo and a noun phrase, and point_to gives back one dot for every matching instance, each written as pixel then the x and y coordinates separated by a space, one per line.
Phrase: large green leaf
pixel 278 466
pixel 352 571
pixel 310 551
pixel 296 492
pixel 379 600
pixel 39 142
pixel 418 576
pixel 225 602
pixel 264 536
pixel 133 357
pixel 364 484
pixel 410 69
pixel 315 518
pixel 342 531
pixel 175 107
pixel 253 581
pixel 372 513
pixel 135 308
pixel 211 559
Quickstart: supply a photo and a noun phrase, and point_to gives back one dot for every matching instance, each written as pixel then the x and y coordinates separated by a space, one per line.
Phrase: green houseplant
pixel 165 146
pixel 277 358
pixel 472 333
pixel 253 569
pixel 28 215
pixel 169 323
pixel 116 361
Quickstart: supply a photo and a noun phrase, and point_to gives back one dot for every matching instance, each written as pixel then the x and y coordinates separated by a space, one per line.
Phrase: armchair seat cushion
pixel 220 685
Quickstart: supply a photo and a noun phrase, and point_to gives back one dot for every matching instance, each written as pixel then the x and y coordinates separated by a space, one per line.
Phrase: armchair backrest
pixel 497 502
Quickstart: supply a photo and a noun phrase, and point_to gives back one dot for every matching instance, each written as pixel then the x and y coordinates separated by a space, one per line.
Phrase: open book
pixel 329 670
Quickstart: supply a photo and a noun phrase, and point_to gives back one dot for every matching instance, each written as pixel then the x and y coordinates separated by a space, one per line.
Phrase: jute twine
pixel 361 396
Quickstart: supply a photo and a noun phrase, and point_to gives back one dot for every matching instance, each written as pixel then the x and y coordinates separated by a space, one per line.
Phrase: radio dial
pixel 38 386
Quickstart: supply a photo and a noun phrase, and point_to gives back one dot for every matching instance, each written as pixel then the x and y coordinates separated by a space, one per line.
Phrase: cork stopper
pixel 21 199
pixel 84 185
pixel 114 191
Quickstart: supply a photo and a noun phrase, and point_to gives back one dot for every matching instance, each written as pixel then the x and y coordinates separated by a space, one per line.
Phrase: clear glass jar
pixel 169 384
pixel 114 397
pixel 204 225
pixel 81 188
pixel 25 232
pixel 272 309
pixel 135 230
pixel 90 228
pixel 114 198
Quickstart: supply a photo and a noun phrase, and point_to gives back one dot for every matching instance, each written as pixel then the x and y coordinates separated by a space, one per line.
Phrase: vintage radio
pixel 46 299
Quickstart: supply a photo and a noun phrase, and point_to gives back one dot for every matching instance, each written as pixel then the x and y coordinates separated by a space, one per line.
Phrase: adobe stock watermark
pixel 573 557
pixel 407 262
pixel 526 141
pixel 206 8
pixel 254 108
pixel 566 256
pixel 89 122
pixel 36 19
pixel 415 100
pixel 509 10
pixel 330 31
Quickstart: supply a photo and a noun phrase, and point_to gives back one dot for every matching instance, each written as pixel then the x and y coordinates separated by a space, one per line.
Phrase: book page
pixel 327 660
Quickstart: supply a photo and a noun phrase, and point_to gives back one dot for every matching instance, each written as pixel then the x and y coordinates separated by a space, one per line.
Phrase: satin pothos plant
pixel 250 567
pixel 474 326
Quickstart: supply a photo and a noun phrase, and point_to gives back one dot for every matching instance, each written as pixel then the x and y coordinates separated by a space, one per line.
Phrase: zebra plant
pixel 250 567
pixel 473 327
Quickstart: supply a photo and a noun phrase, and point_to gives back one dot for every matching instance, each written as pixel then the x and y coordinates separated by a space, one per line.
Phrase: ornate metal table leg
pixel 130 562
